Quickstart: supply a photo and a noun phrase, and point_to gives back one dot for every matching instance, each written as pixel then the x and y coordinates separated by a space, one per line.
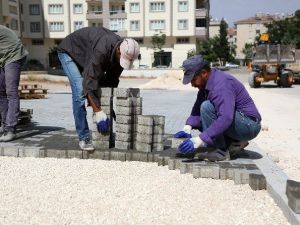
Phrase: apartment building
pixel 248 29
pixel 42 24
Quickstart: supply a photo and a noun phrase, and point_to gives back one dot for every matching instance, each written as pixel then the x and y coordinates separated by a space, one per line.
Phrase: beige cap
pixel 130 51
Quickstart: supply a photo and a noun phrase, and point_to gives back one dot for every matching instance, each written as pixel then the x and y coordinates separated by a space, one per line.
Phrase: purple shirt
pixel 228 95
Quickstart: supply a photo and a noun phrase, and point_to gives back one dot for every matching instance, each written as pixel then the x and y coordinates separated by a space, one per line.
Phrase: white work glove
pixel 100 116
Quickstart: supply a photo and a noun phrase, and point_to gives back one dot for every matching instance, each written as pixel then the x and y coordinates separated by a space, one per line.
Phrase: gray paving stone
pixel 241 176
pixel 54 153
pixel 123 145
pixel 129 102
pixel 125 128
pixel 74 154
pixel 106 110
pixel 142 147
pixel 148 138
pixel 128 111
pixel 10 151
pixel 144 157
pixel 136 156
pixel 294 201
pixel 100 144
pixel 105 101
pixel 210 171
pixel 122 119
pixel 159 120
pixel 126 137
pixel 160 161
pixel 196 172
pixel 160 129
pixel 257 181
pixel 96 155
pixel 106 155
pixel 177 164
pixel 150 157
pixel 128 155
pixel 177 141
pixel 186 168
pixel 29 152
pixel 105 92
pixel 292 185
pixel 145 120
pixel 126 92
pixel 157 147
pixel 121 156
pixel 155 158
pixel 43 153
pixel 171 164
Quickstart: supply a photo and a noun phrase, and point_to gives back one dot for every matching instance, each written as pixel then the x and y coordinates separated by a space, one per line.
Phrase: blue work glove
pixel 189 145
pixel 102 122
pixel 185 133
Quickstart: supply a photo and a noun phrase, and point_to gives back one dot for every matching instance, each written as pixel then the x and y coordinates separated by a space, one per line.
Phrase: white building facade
pixel 42 24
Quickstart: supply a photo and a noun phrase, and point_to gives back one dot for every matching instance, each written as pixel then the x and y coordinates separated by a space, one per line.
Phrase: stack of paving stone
pixel 128 107
pixel 103 141
pixel 293 195
pixel 150 133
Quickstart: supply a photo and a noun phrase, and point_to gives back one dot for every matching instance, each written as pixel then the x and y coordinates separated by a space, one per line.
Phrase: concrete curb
pixel 260 173
pixel 276 184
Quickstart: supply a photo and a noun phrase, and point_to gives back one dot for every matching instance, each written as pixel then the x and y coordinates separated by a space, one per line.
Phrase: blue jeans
pixel 78 98
pixel 242 128
pixel 9 94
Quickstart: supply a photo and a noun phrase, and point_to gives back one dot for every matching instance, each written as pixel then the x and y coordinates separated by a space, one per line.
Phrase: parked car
pixel 232 65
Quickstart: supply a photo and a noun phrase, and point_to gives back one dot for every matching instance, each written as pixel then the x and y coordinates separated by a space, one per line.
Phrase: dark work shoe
pixel 237 147
pixel 8 136
pixel 86 145
pixel 215 155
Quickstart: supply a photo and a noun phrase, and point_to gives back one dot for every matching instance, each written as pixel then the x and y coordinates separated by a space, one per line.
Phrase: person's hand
pixel 102 122
pixel 185 133
pixel 189 145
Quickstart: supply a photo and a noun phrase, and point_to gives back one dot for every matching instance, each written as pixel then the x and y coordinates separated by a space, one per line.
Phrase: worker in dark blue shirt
pixel 224 111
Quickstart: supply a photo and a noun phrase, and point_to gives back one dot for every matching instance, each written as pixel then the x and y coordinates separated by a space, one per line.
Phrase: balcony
pixel 201 32
pixel 94 15
pixel 201 13
pixel 118 14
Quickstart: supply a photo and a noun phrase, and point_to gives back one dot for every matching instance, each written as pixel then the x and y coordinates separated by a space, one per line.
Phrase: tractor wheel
pixel 286 79
pixel 252 82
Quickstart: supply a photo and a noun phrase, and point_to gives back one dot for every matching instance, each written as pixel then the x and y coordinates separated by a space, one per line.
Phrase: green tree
pixel 222 48
pixel 247 51
pixel 158 40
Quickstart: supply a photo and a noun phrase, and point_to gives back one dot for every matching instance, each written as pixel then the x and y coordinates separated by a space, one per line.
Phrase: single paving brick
pixel 121 156
pixel 100 144
pixel 10 151
pixel 294 201
pixel 292 185
pixel 127 137
pixel 129 102
pixel 128 111
pixel 148 138
pixel 105 101
pixel 257 181
pixel 54 153
pixel 145 120
pixel 160 129
pixel 157 147
pixel 70 154
pixel 125 128
pixel 96 155
pixel 127 92
pixel 105 92
pixel 142 147
pixel 29 152
pixel 122 119
pixel 125 145
pixel 171 164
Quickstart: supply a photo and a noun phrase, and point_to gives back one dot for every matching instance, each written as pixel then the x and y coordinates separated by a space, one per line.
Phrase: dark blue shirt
pixel 228 95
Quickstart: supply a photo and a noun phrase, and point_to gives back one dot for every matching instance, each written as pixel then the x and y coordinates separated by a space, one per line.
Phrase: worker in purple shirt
pixel 223 112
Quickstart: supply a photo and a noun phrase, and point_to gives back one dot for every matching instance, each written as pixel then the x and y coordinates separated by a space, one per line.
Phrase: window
pixel 13 9
pixel 134 25
pixel 34 9
pixel 56 9
pixel 21 8
pixel 183 6
pixel 14 24
pixel 200 22
pixel 182 24
pixel 182 40
pixel 257 31
pixel 37 42
pixel 56 26
pixel 35 27
pixel 77 8
pixel 117 24
pixel 157 6
pixel 22 26
pixel 157 25
pixel 135 7
pixel 78 25
pixel 96 9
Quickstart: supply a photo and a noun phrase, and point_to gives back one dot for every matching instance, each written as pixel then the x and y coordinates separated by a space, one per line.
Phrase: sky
pixel 234 10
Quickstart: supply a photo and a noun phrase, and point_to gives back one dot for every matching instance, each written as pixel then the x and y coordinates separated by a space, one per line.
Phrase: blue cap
pixel 191 67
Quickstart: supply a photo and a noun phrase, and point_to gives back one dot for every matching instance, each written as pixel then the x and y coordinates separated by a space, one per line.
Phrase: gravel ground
pixel 60 191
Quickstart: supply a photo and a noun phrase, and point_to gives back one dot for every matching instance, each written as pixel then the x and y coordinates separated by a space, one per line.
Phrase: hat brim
pixel 126 64
pixel 187 78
